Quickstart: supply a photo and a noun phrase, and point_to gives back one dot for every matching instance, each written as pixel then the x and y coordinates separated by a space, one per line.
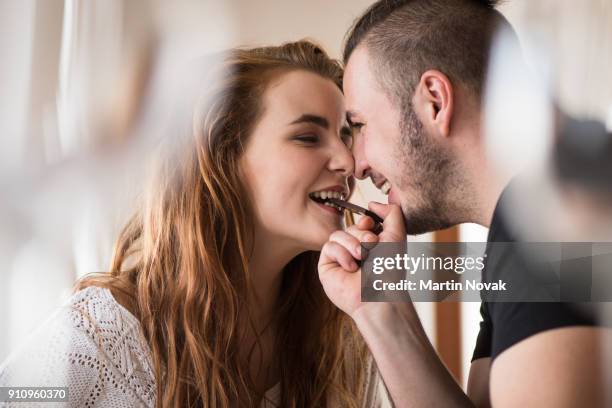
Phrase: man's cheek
pixel 376 156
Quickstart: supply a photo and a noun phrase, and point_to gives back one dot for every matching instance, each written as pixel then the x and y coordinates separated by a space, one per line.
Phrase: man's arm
pixel 409 365
pixel 556 368
pixel 478 382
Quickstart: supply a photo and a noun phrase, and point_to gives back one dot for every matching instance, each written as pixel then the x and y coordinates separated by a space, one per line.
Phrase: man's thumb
pixel 394 228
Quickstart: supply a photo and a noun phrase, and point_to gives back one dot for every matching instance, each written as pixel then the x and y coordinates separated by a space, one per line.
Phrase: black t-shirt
pixel 507 323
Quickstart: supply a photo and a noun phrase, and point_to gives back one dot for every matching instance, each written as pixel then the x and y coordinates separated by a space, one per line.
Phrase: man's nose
pixel 362 167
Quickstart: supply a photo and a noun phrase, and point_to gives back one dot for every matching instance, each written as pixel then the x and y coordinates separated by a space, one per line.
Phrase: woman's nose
pixel 342 161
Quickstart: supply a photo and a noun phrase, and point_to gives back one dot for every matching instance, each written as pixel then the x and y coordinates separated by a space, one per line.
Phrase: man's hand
pixel 409 365
pixel 338 270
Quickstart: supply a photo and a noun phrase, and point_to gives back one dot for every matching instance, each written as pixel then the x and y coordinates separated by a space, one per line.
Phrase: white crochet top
pixel 95 347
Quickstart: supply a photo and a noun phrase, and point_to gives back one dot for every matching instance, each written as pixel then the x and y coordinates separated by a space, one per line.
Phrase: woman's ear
pixel 434 98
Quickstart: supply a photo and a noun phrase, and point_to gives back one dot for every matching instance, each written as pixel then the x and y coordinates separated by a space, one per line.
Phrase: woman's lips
pixel 329 209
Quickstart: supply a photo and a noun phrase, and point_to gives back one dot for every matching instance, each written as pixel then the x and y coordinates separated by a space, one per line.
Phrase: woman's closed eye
pixel 309 139
pixel 347 137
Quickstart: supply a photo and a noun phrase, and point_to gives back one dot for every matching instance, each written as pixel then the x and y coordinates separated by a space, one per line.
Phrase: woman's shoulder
pixel 96 308
pixel 95 317
pixel 92 345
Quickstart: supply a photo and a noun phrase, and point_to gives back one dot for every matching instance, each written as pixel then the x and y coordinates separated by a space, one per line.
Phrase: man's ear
pixel 434 97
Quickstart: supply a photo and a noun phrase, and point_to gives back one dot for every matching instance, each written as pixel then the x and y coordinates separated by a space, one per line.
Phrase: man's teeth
pixel 385 187
pixel 328 194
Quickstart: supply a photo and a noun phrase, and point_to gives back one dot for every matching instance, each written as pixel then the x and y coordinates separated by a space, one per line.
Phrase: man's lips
pixel 383 185
pixel 386 187
pixel 391 197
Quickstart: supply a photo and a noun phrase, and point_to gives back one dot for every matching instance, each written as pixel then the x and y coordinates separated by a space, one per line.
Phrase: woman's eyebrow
pixel 309 118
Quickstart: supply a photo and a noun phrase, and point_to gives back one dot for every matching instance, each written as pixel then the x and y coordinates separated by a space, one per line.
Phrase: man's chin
pixel 424 228
pixel 423 221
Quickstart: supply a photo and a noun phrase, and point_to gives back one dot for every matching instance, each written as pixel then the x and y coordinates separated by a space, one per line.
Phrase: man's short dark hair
pixel 405 38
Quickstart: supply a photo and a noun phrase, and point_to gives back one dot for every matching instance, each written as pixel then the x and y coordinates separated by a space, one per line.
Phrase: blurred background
pixel 84 93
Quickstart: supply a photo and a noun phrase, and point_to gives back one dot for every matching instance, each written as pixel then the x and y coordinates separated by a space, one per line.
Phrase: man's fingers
pixel 349 241
pixel 366 223
pixel 362 235
pixel 394 228
pixel 382 210
pixel 334 253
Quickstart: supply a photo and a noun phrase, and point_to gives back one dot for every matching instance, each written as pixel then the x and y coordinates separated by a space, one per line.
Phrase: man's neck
pixel 489 196
pixel 484 184
pixel 487 185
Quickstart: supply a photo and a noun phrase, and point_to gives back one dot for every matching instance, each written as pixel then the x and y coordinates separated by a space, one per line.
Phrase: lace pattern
pixel 93 346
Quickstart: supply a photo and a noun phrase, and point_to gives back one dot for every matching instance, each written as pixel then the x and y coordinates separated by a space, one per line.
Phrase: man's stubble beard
pixel 427 175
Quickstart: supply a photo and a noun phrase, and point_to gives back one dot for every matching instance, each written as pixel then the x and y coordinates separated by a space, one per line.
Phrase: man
pixel 413 83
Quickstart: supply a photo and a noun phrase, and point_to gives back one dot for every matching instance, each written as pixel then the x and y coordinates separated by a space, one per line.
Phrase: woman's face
pixel 300 146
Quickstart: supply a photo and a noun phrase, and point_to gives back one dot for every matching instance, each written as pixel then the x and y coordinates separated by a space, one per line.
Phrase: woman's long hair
pixel 181 262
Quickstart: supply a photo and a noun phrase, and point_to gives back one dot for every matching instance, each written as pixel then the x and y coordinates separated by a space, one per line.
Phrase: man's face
pixel 393 149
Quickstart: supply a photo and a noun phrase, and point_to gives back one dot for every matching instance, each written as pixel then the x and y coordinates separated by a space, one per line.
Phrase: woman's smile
pixel 320 199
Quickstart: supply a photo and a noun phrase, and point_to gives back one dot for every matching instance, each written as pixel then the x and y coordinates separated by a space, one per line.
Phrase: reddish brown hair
pixel 181 262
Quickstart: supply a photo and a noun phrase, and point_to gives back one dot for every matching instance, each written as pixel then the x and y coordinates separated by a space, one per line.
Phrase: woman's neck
pixel 266 265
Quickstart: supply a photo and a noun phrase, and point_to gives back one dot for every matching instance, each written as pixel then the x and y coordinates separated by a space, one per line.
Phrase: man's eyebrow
pixel 309 118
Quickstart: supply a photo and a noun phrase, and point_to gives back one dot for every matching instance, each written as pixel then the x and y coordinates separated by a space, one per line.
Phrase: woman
pixel 213 297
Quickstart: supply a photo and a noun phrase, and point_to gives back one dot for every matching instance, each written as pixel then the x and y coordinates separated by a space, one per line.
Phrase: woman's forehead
pixel 298 92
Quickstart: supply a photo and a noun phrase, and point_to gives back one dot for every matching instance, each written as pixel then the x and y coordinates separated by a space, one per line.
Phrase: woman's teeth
pixel 322 196
pixel 385 187
pixel 333 206
pixel 328 194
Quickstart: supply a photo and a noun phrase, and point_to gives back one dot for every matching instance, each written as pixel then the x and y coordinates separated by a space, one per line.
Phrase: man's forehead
pixel 358 82
pixel 359 60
